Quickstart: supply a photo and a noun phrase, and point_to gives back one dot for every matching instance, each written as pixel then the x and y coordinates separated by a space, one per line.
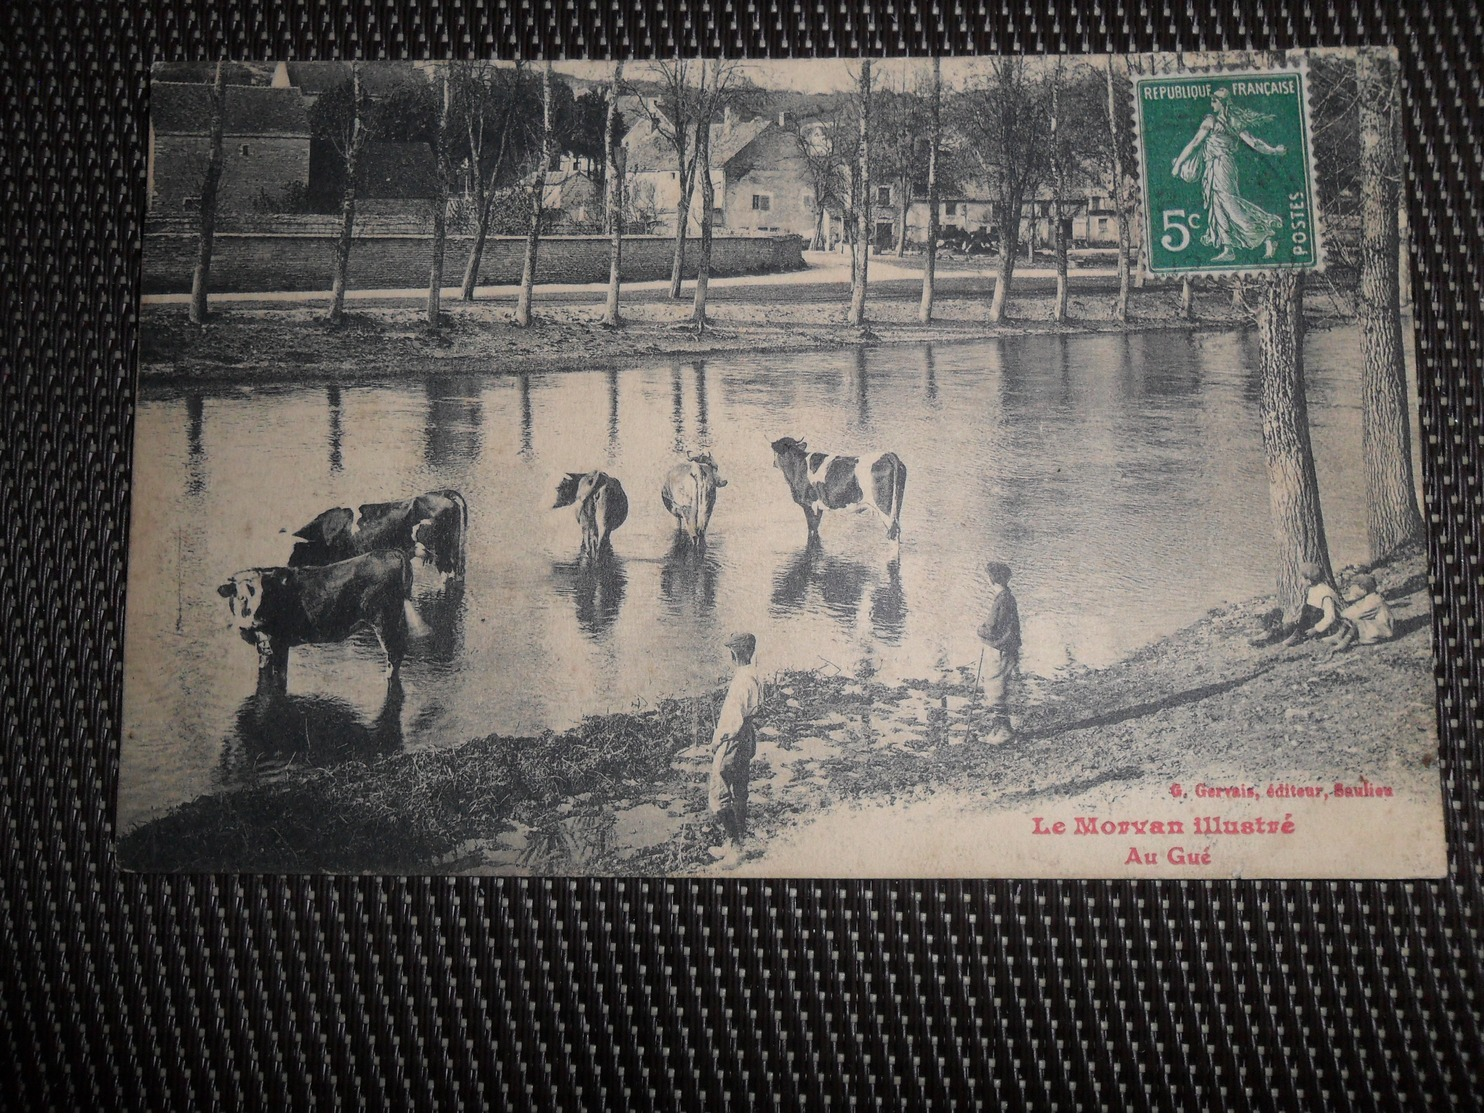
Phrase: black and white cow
pixel 689 494
pixel 277 608
pixel 431 527
pixel 824 482
pixel 602 507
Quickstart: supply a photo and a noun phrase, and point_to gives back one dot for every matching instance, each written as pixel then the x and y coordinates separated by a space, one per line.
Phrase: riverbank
pixel 271 342
pixel 843 759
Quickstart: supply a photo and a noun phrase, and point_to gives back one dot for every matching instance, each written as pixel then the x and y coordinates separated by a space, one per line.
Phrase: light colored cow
pixel 689 494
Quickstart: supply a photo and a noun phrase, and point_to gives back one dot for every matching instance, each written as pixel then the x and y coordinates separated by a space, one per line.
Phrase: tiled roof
pixel 649 151
pixel 178 108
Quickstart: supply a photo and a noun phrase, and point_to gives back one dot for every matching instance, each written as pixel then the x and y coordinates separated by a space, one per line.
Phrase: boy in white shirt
pixel 735 742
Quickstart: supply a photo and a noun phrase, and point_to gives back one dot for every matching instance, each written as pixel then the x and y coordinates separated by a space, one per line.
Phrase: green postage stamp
pixel 1228 172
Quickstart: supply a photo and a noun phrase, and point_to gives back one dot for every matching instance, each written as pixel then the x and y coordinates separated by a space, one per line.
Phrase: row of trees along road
pixel 1016 128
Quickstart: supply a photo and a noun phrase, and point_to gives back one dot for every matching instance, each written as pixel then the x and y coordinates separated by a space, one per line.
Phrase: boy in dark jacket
pixel 1001 635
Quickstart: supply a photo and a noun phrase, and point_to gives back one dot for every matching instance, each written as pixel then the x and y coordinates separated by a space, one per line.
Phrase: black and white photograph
pixel 956 468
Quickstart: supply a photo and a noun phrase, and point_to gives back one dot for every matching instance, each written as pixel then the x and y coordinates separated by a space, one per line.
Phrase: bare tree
pixel 1392 515
pixel 201 277
pixel 538 200
pixel 1060 157
pixel 935 146
pixel 342 112
pixel 899 120
pixel 819 142
pixel 716 101
pixel 1122 202
pixel 672 118
pixel 861 195
pixel 493 103
pixel 708 193
pixel 613 145
pixel 443 158
pixel 1002 118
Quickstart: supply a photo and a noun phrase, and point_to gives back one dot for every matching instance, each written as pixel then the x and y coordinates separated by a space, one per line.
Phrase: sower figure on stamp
pixel 1232 221
pixel 1001 635
pixel 735 741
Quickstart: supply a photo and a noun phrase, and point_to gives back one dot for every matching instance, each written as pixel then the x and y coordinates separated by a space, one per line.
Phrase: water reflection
pixel 596 586
pixel 453 427
pixel 930 376
pixel 613 410
pixel 677 407
pixel 195 483
pixel 703 407
pixel 443 612
pixel 889 605
pixel 838 582
pixel 862 383
pixel 274 731
pixel 689 575
pixel 337 432
pixel 523 380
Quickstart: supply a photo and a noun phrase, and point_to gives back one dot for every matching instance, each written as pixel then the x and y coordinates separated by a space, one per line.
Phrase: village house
pixel 265 147
pixel 761 181
pixel 1087 213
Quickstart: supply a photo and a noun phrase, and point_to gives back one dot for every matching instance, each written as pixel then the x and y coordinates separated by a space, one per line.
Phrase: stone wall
pixel 301 262
pixel 251 166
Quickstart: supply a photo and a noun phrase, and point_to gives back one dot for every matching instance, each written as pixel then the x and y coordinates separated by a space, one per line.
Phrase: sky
pixel 832 75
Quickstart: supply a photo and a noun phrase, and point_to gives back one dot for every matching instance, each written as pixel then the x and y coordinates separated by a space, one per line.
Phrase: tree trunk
pixel 484 199
pixel 1293 488
pixel 1009 249
pixel 476 249
pixel 708 204
pixel 935 141
pixel 904 195
pixel 860 259
pixel 613 146
pixel 440 211
pixel 347 203
pixel 682 220
pixel 538 198
pixel 1058 186
pixel 1120 200
pixel 818 242
pixel 201 277
pixel 1392 515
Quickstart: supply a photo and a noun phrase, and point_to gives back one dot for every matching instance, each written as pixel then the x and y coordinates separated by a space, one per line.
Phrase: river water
pixel 1120 476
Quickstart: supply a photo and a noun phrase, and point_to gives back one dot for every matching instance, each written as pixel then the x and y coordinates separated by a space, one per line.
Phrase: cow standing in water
pixel 431 527
pixel 276 608
pixel 689 494
pixel 602 507
pixel 826 482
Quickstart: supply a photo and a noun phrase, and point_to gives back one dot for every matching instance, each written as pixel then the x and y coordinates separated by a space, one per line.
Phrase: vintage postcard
pixel 993 467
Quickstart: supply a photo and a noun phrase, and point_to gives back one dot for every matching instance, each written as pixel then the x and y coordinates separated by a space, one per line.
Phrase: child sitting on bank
pixel 1321 613
pixel 1366 613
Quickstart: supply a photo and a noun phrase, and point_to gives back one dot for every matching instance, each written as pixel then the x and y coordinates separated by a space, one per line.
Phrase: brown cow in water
pixel 431 527
pixel 276 608
pixel 825 482
pixel 689 494
pixel 602 507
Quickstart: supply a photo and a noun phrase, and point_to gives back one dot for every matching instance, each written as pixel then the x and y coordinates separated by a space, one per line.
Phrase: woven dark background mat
pixel 228 992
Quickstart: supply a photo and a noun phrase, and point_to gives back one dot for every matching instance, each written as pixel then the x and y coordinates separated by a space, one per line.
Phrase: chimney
pixel 784 119
pixel 726 118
